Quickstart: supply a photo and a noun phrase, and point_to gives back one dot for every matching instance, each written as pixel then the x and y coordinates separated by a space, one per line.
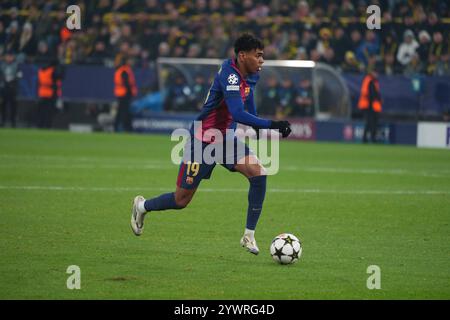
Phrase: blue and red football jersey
pixel 228 98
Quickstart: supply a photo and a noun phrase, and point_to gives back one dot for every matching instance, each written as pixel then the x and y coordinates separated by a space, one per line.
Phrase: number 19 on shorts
pixel 192 168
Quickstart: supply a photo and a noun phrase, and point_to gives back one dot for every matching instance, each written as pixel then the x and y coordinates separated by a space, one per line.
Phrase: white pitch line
pixel 435 174
pixel 438 174
pixel 276 190
pixel 99 163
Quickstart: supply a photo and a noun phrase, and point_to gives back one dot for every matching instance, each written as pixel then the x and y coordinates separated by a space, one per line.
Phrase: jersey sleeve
pixel 230 82
pixel 236 108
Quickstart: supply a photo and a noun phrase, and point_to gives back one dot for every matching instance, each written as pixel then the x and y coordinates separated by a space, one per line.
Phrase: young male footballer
pixel 229 101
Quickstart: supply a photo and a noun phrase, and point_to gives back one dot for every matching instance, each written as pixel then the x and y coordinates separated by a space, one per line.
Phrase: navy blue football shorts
pixel 200 158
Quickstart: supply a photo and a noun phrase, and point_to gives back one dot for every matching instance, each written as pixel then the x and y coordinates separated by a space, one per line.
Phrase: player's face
pixel 254 60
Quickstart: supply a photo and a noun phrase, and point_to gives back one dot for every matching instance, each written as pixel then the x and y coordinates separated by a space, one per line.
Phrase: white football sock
pixel 141 207
pixel 250 234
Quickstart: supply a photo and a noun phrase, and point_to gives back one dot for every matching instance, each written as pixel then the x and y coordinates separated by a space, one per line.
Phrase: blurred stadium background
pixel 162 39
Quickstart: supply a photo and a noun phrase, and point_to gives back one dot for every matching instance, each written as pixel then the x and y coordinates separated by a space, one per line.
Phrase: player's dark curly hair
pixel 247 42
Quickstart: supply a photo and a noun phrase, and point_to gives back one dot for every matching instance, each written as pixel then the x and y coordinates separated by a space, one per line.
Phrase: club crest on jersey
pixel 189 180
pixel 247 91
pixel 233 79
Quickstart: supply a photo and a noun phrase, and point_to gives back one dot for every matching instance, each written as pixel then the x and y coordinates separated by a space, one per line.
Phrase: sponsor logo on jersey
pixel 232 88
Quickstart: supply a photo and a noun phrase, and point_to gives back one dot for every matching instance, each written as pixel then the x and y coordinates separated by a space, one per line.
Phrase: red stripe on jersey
pixel 180 174
pixel 219 118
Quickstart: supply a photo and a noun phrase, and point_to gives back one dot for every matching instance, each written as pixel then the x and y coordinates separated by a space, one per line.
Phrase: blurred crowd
pixel 414 35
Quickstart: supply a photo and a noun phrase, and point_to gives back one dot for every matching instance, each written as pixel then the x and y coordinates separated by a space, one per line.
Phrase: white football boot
pixel 249 244
pixel 137 218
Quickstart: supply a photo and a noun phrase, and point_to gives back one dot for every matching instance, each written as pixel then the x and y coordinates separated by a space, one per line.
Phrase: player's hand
pixel 283 126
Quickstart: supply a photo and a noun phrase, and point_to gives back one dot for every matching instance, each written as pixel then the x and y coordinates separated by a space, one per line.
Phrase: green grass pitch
pixel 65 199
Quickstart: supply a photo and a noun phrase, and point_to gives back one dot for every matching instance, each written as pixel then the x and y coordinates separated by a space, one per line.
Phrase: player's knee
pixel 256 170
pixel 183 201
pixel 181 204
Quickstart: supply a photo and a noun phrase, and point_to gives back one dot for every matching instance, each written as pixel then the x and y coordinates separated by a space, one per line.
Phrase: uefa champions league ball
pixel 286 248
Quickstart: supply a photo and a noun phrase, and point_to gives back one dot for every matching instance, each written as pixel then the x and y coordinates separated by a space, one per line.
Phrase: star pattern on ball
pixel 278 252
pixel 294 255
pixel 286 249
pixel 289 240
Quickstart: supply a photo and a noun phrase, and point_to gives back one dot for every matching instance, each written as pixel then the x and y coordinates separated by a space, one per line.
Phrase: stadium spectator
pixel 123 54
pixel 340 44
pixel 388 25
pixel 439 55
pixel 301 54
pixel 303 103
pixel 388 52
pixel 199 91
pixel 410 24
pixel 315 56
pixel 27 41
pixel 142 60
pixel 69 52
pixel 355 40
pixel 432 24
pixel 328 56
pixel 270 97
pixel 286 95
pixel 178 95
pixel 302 10
pixel 389 65
pixel 307 41
pixel 194 51
pixel 324 42
pixel 407 48
pixel 43 54
pixel 9 76
pixel 351 65
pixel 424 45
pixel 2 37
pixel 414 67
pixel 12 42
pixel 294 29
pixel 164 49
pixel 346 9
pixel 99 55
pixel 369 47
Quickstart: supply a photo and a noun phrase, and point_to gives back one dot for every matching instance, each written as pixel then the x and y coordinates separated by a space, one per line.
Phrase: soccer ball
pixel 286 248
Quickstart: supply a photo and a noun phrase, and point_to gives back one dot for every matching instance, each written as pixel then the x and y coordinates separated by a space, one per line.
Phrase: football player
pixel 230 101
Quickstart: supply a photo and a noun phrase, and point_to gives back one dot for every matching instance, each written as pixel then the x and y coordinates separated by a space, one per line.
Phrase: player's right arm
pixel 236 108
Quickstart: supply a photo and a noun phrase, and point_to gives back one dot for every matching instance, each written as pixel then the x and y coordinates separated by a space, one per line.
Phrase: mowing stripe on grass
pixel 441 174
pixel 279 190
